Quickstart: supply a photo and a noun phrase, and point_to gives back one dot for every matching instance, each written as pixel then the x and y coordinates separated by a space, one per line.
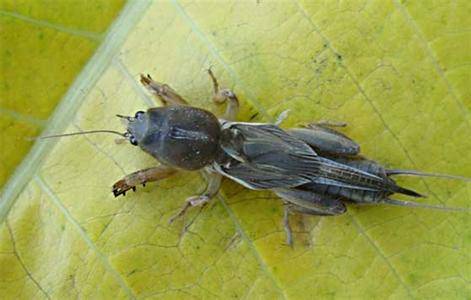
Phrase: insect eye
pixel 138 114
pixel 133 140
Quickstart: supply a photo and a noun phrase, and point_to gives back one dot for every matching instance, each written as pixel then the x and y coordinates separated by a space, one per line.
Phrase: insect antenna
pixel 423 174
pixel 80 133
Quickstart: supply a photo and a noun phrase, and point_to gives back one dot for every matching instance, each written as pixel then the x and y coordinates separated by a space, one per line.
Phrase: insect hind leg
pixel 309 203
pixel 326 140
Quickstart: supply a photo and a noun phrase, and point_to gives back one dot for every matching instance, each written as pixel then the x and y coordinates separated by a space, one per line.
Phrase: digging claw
pixel 121 187
pixel 145 80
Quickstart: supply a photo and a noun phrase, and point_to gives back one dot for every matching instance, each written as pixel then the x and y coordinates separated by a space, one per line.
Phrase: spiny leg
pixel 289 208
pixel 214 183
pixel 162 91
pixel 327 123
pixel 141 177
pixel 222 95
pixel 326 140
pixel 286 224
pixel 307 202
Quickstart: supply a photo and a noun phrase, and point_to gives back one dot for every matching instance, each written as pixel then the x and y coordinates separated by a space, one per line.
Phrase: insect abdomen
pixel 359 195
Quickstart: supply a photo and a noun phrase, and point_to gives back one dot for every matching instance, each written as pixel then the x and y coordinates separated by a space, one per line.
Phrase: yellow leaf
pixel 43 45
pixel 395 72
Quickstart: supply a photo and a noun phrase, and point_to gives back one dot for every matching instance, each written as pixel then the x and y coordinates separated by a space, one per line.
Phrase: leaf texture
pixel 396 72
pixel 43 46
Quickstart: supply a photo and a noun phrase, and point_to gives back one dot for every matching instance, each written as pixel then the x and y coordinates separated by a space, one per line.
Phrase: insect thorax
pixel 182 136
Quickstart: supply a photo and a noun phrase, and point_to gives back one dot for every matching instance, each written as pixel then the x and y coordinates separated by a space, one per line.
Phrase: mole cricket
pixel 315 169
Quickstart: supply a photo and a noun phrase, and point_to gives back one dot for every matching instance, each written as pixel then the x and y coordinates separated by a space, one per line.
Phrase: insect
pixel 315 169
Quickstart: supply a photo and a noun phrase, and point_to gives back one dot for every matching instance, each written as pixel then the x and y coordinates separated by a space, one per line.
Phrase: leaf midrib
pixel 72 101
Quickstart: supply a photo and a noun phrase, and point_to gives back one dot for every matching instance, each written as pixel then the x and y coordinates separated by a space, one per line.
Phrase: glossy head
pixel 180 136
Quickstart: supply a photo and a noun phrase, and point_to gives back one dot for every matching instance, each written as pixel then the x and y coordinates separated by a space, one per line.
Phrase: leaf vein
pixel 72 100
pixel 381 254
pixel 20 260
pixel 78 32
pixel 22 117
pixel 216 53
pixel 68 216
pixel 255 252
pixel 368 99
pixel 434 60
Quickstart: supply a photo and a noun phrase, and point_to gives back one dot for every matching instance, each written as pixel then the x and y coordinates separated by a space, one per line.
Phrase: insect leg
pixel 326 140
pixel 222 95
pixel 327 123
pixel 286 225
pixel 307 202
pixel 214 183
pixel 141 177
pixel 315 204
pixel 162 91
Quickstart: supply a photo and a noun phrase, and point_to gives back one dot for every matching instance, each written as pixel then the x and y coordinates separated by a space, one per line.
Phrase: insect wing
pixel 264 156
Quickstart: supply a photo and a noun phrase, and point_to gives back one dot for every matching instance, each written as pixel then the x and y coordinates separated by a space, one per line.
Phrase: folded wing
pixel 263 156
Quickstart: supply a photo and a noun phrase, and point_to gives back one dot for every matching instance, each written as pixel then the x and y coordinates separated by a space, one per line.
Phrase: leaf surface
pixel 43 46
pixel 395 72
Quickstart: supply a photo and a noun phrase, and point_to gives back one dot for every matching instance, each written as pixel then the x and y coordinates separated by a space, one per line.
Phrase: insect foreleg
pixel 162 91
pixel 141 177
